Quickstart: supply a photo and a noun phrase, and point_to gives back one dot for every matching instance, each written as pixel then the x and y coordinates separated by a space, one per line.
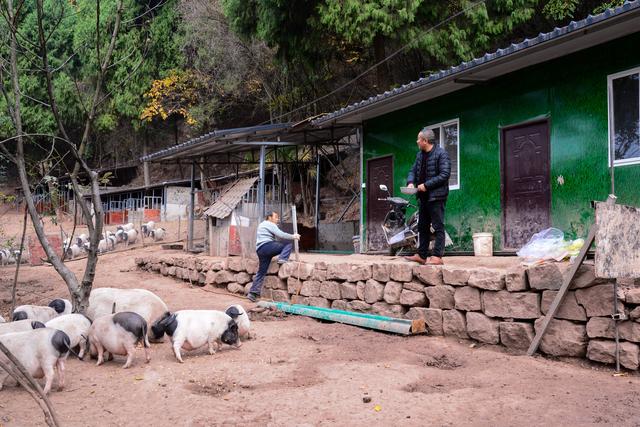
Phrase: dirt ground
pixel 299 371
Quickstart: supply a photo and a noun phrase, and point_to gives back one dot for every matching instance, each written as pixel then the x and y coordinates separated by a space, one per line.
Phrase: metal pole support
pixel 192 206
pixel 294 220
pixel 261 201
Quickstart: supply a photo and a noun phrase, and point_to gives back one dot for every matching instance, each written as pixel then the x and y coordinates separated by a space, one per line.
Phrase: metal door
pixel 526 190
pixel 379 171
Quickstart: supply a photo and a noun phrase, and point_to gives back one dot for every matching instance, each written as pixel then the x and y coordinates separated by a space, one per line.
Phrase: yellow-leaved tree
pixel 174 94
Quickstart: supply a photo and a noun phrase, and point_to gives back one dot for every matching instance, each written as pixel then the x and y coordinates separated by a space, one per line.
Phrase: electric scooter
pixel 402 234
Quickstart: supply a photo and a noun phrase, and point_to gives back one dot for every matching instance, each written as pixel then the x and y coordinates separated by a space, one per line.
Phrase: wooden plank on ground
pixel 562 292
pixel 294 220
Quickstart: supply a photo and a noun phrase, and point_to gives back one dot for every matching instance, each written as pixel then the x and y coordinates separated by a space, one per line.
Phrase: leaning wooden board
pixel 617 241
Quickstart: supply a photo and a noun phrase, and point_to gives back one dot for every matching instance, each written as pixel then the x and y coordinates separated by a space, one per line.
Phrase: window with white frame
pixel 448 136
pixel 624 117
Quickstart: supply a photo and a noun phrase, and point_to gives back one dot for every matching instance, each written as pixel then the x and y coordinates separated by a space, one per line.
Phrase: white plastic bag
pixel 547 244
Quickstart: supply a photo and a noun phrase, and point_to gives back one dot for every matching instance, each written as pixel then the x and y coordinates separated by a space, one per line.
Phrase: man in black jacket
pixel 430 173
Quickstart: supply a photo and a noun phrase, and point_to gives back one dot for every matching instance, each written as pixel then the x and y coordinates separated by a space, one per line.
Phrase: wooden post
pixel 563 290
pixel 261 196
pixel 294 219
pixel 141 233
pixel 192 205
pixel 179 231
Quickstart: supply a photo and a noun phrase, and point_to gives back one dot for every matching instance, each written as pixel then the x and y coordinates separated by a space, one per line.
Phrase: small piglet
pixel 118 334
pixel 239 314
pixel 158 234
pixel 192 329
pixel 40 313
pixel 76 326
pixel 130 237
pixel 146 228
pixel 141 301
pixel 41 351
pixel 20 326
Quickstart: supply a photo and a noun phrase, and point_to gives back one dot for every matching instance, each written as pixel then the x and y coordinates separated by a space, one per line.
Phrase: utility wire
pixel 377 64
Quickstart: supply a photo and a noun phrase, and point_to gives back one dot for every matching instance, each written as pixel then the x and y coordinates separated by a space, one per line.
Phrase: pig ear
pixel 58 305
pixel 233 312
pixel 36 325
pixel 169 320
pixel 163 319
pixel 19 315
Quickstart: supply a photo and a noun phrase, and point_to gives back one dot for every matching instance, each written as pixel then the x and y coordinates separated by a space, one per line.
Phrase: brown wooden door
pixel 526 190
pixel 379 171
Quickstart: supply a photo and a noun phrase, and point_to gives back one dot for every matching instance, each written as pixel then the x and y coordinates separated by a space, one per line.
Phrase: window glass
pixel 626 117
pixel 447 136
pixel 449 142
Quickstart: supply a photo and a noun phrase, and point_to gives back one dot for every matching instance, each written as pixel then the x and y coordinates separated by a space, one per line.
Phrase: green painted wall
pixel 571 91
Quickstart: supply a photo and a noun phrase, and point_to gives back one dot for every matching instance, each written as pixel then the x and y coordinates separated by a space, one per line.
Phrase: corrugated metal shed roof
pixel 230 135
pixel 230 198
pixel 245 139
pixel 578 35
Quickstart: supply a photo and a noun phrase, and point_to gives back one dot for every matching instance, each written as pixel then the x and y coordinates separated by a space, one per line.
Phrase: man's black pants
pixel 431 213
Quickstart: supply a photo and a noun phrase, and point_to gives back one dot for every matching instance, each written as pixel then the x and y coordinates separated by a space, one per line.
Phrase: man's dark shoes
pixel 253 297
pixel 416 258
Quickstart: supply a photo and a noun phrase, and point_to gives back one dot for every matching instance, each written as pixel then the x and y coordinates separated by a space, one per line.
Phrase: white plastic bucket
pixel 483 244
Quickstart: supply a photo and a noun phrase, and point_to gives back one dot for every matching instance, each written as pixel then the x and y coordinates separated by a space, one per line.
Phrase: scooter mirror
pixel 383 187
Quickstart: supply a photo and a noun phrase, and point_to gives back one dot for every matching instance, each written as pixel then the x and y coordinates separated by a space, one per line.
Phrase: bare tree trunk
pixel 382 71
pixel 64 272
pixel 94 220
pixel 303 191
pixel 145 165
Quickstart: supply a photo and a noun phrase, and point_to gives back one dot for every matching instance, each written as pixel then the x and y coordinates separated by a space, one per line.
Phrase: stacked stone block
pixel 487 305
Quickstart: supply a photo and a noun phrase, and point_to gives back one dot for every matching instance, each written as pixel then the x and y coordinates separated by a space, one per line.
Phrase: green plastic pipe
pixel 371 321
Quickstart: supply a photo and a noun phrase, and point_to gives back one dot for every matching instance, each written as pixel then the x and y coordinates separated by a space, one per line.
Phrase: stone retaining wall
pixel 487 305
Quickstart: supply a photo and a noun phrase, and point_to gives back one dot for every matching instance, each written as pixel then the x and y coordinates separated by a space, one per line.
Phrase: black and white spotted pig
pixel 118 334
pixel 192 329
pixel 20 326
pixel 41 351
pixel 40 313
pixel 141 301
pixel 76 326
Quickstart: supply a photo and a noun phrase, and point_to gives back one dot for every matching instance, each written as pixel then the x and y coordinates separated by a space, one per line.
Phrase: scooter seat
pixel 398 201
